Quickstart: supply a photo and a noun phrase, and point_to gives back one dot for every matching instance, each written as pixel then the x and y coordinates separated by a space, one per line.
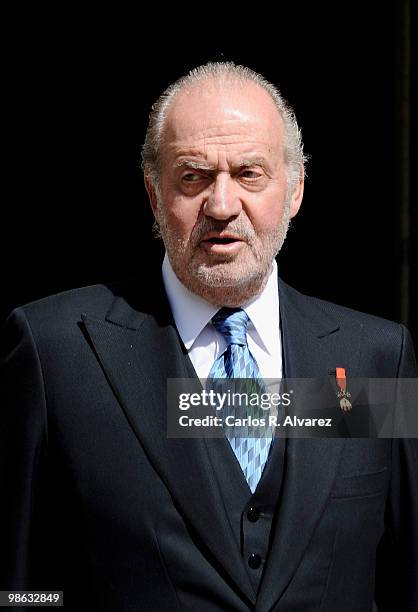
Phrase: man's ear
pixel 297 195
pixel 149 186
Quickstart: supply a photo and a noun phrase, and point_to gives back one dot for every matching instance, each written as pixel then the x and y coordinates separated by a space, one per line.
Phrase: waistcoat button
pixel 254 561
pixel 253 514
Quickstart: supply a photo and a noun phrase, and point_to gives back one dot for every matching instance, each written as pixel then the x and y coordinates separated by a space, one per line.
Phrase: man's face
pixel 224 206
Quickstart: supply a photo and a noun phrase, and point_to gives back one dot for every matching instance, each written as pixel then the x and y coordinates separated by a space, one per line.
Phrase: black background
pixel 78 89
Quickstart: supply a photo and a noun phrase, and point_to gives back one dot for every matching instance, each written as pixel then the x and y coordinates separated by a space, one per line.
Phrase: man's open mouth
pixel 222 240
pixel 221 244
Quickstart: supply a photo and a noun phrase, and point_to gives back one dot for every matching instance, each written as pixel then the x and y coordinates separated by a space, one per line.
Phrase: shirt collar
pixel 192 313
pixel 263 311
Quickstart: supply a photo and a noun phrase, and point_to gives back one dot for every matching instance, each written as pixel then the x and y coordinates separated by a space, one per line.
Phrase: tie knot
pixel 232 324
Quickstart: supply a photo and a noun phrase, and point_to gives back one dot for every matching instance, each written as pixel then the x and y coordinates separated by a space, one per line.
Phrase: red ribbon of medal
pixel 343 394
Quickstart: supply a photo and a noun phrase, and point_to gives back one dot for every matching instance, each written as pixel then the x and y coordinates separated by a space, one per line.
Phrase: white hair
pixel 225 72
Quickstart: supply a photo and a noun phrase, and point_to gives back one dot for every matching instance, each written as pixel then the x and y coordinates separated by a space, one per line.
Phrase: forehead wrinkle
pixel 203 129
pixel 240 133
pixel 222 140
pixel 245 150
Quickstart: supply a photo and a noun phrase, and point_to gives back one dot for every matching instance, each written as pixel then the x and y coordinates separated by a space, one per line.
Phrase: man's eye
pixel 250 174
pixel 191 177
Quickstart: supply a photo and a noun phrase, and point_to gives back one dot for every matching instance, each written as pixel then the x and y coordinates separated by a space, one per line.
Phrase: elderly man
pixel 99 502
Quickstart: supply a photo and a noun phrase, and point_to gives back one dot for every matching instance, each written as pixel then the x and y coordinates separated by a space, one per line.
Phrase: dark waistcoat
pixel 251 516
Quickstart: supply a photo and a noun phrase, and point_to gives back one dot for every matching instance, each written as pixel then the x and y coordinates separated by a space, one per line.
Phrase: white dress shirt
pixel 192 315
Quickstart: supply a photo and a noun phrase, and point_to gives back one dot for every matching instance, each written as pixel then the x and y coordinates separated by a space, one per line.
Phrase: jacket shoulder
pixel 343 316
pixel 95 299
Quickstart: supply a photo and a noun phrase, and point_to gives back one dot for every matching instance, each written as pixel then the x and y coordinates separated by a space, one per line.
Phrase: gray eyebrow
pixel 194 164
pixel 255 161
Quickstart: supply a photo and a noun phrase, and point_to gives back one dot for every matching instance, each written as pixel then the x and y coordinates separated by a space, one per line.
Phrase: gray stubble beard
pixel 215 283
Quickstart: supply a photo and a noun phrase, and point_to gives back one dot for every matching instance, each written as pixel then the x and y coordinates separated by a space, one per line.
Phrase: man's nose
pixel 223 201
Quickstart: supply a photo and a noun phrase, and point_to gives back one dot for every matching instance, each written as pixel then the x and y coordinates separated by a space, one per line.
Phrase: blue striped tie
pixel 237 362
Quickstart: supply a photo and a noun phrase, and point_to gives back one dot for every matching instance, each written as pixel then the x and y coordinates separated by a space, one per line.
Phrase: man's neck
pixel 233 295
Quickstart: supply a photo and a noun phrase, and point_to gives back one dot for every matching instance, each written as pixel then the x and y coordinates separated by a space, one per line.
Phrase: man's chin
pixel 226 274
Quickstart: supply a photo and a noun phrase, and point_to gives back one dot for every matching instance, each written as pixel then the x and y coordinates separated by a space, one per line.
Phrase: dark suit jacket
pixel 98 502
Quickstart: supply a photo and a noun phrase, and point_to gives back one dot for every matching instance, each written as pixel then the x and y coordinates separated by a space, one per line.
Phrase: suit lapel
pixel 314 342
pixel 138 352
pixel 313 345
